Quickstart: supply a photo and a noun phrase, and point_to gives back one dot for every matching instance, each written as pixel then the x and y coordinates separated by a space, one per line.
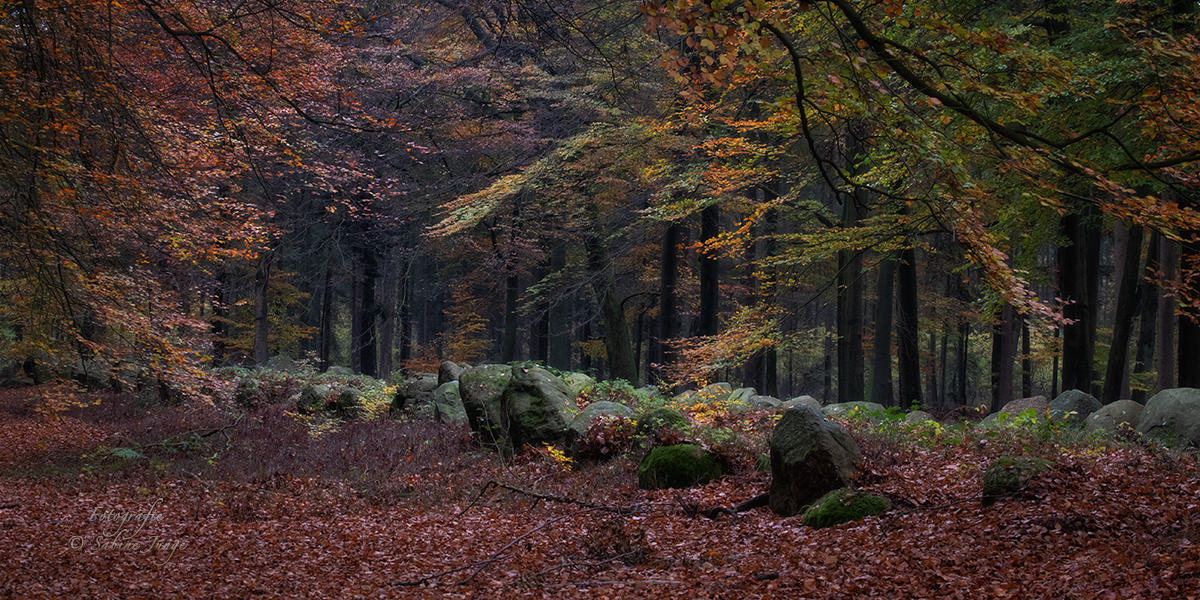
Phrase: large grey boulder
pixel 283 364
pixel 511 407
pixel 810 456
pixel 448 404
pixel 1016 407
pixel 415 391
pixel 339 371
pixel 577 382
pixel 540 406
pixel 448 371
pixel 603 408
pixel 805 400
pixel 1115 417
pixel 862 409
pixel 1073 406
pixel 1172 417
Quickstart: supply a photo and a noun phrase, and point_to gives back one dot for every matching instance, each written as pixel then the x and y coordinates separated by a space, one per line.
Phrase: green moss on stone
pixel 842 506
pixel 681 466
pixel 1007 475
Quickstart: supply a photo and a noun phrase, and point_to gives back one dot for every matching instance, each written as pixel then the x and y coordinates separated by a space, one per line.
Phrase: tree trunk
pixel 508 344
pixel 1189 329
pixel 1026 361
pixel 1168 253
pixel 1073 285
pixel 326 331
pixel 403 299
pixel 710 291
pixel 1118 352
pixel 387 325
pixel 907 332
pixel 368 314
pixel 668 328
pixel 881 363
pixel 1002 359
pixel 1148 295
pixel 622 363
pixel 850 288
pixel 559 353
pixel 262 281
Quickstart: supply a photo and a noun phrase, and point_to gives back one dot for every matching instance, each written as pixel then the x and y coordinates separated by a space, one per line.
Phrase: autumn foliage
pixel 268 508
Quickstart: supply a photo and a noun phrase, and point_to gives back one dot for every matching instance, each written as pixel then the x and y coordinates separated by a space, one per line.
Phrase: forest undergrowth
pixel 116 500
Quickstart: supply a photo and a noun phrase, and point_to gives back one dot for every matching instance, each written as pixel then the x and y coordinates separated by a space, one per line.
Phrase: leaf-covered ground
pixel 1109 521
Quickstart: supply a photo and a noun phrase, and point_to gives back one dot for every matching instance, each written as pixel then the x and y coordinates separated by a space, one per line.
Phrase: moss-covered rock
pixel 1074 406
pixel 448 405
pixel 843 506
pixel 680 466
pixel 1008 475
pixel 349 401
pixel 312 399
pixel 855 409
pixel 1172 417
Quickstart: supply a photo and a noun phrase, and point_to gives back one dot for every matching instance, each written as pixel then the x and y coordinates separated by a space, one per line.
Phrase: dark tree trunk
pixel 404 301
pixel 1002 359
pixel 622 363
pixel 931 385
pixel 262 281
pixel 508 343
pixel 1189 329
pixel 1168 254
pixel 559 353
pixel 326 330
pixel 881 363
pixel 827 383
pixel 220 320
pixel 355 321
pixel 710 291
pixel 1026 361
pixel 368 314
pixel 1073 285
pixel 907 332
pixel 752 373
pixel 1148 295
pixel 668 319
pixel 1118 352
pixel 387 325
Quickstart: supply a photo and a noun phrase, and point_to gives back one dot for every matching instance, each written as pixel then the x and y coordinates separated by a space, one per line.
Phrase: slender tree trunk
pixel 1002 359
pixel 1189 329
pixel 710 291
pixel 1168 253
pixel 220 320
pixel 752 374
pixel 404 301
pixel 326 331
pixel 387 324
pixel 355 321
pixel 368 315
pixel 262 281
pixel 668 319
pixel 827 387
pixel 881 361
pixel 1148 297
pixel 1026 361
pixel 508 344
pixel 1118 352
pixel 907 332
pixel 931 384
pixel 964 342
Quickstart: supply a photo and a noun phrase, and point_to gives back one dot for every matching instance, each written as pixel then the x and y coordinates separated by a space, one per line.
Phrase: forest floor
pixel 113 501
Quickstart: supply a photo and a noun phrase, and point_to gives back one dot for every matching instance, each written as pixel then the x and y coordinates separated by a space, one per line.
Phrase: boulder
pixel 1016 407
pixel 338 371
pixel 844 505
pixel 577 382
pixel 709 394
pixel 808 401
pixel 918 416
pixel 448 371
pixel 40 366
pixel 582 421
pixel 860 409
pixel 482 391
pixel 1008 475
pixel 742 395
pixel 764 403
pixel 349 401
pixel 415 391
pixel 1122 415
pixel 810 456
pixel 282 363
pixel 680 466
pixel 448 404
pixel 1172 417
pixel 315 398
pixel 1073 406
pixel 539 405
